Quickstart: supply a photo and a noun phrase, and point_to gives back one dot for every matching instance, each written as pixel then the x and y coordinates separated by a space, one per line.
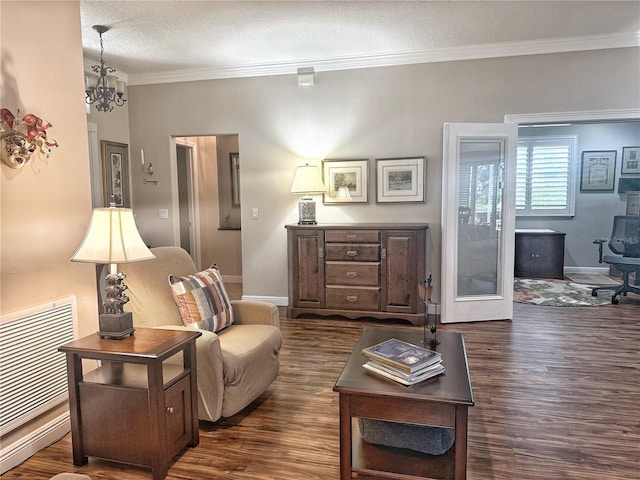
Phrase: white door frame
pixel 194 208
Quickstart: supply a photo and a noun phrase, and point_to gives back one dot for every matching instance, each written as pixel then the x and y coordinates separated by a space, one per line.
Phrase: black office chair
pixel 625 243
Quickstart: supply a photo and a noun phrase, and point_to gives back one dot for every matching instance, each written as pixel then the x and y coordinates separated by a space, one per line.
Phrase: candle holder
pixel 425 288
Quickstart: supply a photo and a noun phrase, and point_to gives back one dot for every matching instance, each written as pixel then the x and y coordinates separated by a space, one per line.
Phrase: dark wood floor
pixel 557 394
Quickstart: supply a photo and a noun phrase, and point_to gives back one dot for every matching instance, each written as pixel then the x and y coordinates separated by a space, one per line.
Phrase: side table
pixel 441 401
pixel 134 408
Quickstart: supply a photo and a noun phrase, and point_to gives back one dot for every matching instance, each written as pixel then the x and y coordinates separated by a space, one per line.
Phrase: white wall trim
pixel 279 301
pixel 587 270
pixel 20 450
pixel 469 52
pixel 579 116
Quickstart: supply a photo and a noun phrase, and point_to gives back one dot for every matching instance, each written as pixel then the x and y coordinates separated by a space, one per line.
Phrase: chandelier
pixel 107 90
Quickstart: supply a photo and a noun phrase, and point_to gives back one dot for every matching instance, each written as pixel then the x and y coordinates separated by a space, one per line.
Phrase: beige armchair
pixel 235 365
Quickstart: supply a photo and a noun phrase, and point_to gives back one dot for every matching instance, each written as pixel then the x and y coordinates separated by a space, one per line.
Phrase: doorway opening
pixel 206 201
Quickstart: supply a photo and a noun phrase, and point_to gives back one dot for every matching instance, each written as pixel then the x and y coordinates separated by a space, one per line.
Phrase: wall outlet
pixel 164 213
pixel 255 214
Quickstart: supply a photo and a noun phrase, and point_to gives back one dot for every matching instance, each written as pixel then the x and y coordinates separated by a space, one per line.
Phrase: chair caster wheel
pixel 594 293
pixel 614 300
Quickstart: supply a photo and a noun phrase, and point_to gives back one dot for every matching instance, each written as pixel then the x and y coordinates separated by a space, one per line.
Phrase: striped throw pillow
pixel 202 300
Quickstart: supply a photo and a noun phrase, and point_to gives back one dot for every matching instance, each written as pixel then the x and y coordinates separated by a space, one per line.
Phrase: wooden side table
pixel 134 408
pixel 442 401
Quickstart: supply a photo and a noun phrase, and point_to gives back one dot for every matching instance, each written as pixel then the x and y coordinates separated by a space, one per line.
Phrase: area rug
pixel 556 293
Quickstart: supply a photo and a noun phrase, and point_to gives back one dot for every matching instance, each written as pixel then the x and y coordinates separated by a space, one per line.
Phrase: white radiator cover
pixel 33 376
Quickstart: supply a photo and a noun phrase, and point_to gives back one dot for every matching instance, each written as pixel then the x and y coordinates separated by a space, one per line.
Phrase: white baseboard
pixel 587 270
pixel 279 301
pixel 19 451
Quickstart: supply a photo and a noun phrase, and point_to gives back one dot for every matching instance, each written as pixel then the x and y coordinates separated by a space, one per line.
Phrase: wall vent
pixel 33 375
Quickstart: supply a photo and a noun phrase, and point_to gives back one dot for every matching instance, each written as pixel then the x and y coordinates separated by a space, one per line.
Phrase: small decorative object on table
pixel 425 288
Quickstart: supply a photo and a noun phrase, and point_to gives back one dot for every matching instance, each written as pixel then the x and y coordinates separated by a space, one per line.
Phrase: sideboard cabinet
pixel 357 270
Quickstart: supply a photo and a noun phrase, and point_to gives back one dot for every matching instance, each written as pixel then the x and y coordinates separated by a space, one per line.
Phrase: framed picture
pixel 400 179
pixel 598 171
pixel 115 173
pixel 234 169
pixel 350 175
pixel 630 161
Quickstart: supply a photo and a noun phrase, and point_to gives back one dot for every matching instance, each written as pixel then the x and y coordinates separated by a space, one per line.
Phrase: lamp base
pixel 307 211
pixel 116 325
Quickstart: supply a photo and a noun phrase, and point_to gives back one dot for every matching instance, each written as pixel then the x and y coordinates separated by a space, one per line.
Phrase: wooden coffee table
pixel 440 401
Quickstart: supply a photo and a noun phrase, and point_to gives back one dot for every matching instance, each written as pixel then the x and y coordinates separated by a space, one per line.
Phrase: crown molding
pixel 509 49
pixel 572 117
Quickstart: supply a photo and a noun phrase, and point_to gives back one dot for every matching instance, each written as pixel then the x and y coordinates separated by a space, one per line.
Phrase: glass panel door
pixel 478 221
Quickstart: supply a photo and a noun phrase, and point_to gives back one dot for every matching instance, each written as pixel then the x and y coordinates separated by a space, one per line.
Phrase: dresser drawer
pixel 352 273
pixel 349 252
pixel 353 298
pixel 342 236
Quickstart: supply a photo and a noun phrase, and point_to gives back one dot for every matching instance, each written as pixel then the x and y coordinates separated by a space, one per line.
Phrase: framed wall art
pixel 630 161
pixel 352 175
pixel 400 180
pixel 115 173
pixel 598 173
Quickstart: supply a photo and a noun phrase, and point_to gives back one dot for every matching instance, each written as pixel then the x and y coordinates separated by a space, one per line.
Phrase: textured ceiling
pixel 155 41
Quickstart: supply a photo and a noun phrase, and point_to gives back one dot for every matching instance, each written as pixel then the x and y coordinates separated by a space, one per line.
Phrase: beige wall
pixel 45 206
pixel 367 113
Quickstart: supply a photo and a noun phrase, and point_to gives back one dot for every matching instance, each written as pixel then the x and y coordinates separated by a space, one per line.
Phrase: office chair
pixel 625 243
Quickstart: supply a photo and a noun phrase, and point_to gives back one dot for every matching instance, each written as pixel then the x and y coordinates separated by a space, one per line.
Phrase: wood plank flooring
pixel 557 393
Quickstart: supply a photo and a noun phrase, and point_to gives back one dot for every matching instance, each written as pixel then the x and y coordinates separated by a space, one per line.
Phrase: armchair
pixel 234 365
pixel 625 243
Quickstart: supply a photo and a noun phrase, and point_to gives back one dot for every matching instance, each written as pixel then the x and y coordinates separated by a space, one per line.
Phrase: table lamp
pixel 113 238
pixel 307 181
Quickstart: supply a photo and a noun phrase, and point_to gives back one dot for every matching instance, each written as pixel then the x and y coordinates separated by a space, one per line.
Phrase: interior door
pixel 478 218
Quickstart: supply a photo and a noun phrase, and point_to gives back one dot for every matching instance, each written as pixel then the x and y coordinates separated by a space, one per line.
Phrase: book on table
pixel 402 356
pixel 405 378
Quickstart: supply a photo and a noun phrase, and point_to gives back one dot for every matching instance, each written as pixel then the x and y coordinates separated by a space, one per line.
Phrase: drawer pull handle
pixel 352 253
pixel 352 298
pixel 170 409
pixel 352 274
pixel 351 237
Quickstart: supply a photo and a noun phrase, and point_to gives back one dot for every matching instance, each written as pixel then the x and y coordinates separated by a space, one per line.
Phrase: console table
pixel 357 270
pixel 539 253
pixel 441 401
pixel 134 408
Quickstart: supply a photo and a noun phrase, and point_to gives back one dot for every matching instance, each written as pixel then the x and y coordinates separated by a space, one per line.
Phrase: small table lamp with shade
pixel 113 238
pixel 307 181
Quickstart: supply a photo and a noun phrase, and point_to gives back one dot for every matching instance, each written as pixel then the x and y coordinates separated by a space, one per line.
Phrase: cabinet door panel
pixel 401 268
pixel 306 279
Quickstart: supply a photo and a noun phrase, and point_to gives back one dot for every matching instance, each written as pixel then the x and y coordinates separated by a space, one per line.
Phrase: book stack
pixel 403 362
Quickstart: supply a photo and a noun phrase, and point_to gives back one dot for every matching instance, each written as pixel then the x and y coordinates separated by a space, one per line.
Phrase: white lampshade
pixel 112 238
pixel 307 179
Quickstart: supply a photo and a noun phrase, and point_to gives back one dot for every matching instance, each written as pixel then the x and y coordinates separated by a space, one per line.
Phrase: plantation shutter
pixel 544 181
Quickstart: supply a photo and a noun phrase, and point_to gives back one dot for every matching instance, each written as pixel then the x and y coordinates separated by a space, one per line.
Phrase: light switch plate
pixel 164 213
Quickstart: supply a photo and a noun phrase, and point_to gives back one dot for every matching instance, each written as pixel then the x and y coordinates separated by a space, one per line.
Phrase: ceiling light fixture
pixel 107 90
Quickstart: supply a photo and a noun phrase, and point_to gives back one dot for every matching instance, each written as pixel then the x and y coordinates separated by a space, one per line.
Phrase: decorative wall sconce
pixel 19 139
pixel 148 170
pixel 107 89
